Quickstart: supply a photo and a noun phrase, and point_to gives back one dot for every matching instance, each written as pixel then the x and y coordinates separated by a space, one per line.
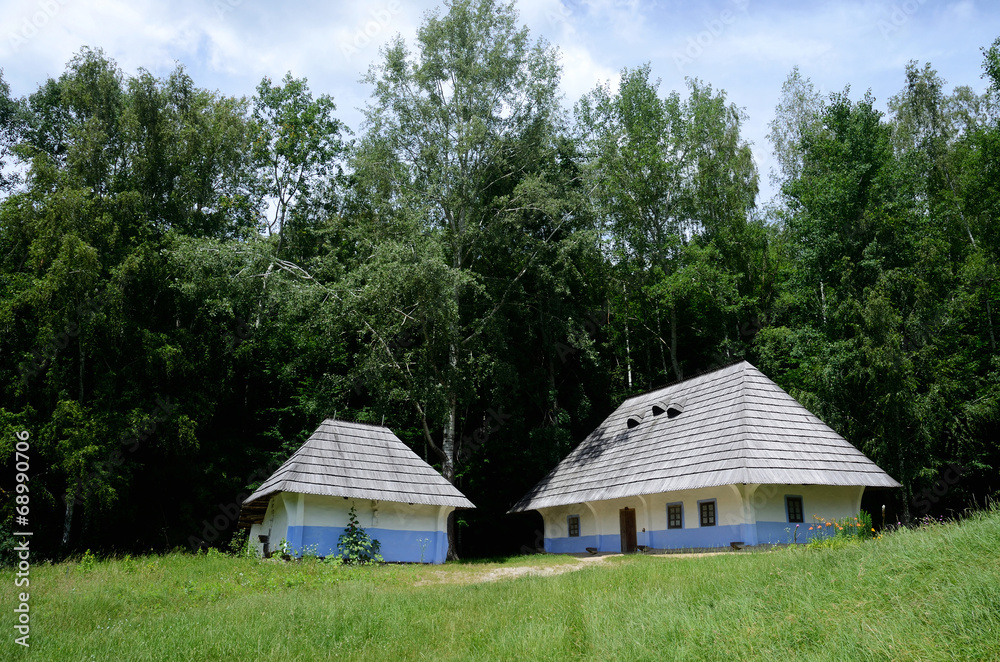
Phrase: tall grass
pixel 926 594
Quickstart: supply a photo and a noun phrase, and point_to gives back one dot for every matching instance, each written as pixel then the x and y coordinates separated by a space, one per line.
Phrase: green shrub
pixel 241 546
pixel 88 562
pixel 355 545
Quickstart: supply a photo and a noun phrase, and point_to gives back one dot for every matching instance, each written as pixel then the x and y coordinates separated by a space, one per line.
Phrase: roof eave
pixel 555 502
pixel 414 499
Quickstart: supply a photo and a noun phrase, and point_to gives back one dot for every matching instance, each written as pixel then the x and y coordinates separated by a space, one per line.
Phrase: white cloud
pixel 582 68
pixel 581 74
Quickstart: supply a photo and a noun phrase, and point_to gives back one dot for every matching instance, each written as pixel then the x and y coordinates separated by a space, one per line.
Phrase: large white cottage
pixel 399 499
pixel 725 457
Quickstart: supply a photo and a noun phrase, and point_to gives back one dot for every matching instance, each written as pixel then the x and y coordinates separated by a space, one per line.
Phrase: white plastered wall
pixel 758 510
pixel 334 512
pixel 291 509
pixel 601 518
pixel 827 501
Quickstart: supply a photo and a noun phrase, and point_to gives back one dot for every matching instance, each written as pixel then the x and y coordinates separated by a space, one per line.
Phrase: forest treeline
pixel 190 282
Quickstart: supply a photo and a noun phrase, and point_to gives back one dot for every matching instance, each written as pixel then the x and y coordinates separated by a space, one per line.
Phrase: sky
pixel 745 47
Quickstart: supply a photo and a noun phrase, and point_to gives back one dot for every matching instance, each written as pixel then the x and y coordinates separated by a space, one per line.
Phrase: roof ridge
pixel 305 444
pixel 351 420
pixel 677 382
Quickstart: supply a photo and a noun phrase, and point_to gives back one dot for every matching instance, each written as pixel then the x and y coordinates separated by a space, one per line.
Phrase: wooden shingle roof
pixel 355 460
pixel 730 426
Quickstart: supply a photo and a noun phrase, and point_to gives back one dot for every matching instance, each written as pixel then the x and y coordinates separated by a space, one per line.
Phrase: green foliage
pixel 295 148
pixel 875 328
pixel 240 545
pixel 460 179
pixel 11 127
pixel 309 553
pixel 332 560
pixel 8 555
pixel 355 546
pixel 88 562
pixel 674 185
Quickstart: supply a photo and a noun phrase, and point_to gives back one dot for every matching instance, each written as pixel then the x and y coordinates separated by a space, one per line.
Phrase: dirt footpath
pixel 476 576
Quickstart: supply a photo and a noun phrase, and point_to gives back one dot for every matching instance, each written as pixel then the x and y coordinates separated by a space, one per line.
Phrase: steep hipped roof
pixel 726 427
pixel 355 460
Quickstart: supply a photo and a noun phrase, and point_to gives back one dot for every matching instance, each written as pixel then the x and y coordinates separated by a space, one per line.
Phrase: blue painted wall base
pixel 783 533
pixel 709 536
pixel 396 546
pixel 762 533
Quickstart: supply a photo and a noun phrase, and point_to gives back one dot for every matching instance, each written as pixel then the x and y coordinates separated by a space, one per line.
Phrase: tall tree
pixel 674 184
pixel 876 329
pixel 11 126
pixel 456 133
pixel 297 147
pixel 117 166
pixel 798 113
pixel 189 157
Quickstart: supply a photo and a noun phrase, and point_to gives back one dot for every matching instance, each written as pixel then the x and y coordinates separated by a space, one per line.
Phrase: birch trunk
pixel 673 343
pixel 68 518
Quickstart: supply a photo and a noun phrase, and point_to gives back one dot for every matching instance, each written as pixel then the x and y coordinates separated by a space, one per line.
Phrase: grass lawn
pixel 926 594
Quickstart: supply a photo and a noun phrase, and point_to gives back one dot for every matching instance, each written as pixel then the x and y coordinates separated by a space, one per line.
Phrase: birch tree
pixel 668 175
pixel 454 132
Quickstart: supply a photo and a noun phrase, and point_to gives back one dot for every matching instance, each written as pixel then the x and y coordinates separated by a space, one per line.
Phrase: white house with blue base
pixel 726 457
pixel 398 498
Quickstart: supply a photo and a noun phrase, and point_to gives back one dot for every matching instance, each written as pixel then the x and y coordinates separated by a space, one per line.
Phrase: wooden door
pixel 626 520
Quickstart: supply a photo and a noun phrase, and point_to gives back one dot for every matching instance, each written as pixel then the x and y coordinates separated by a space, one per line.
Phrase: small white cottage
pixel 725 457
pixel 399 499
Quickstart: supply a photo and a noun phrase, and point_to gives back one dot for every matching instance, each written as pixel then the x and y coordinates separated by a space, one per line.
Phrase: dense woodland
pixel 190 282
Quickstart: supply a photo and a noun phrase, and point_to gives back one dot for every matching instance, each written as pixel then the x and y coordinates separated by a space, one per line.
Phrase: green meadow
pixel 931 593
